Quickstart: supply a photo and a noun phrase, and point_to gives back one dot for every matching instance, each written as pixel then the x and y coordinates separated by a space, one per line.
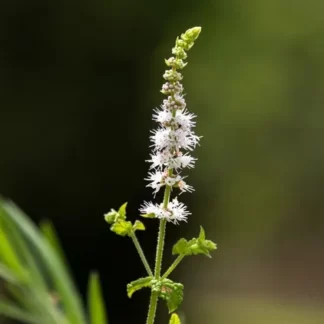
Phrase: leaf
pixel 96 305
pixel 9 257
pixel 122 211
pixel 48 230
pixel 22 247
pixel 8 275
pixel 111 217
pixel 138 284
pixel 171 292
pixel 138 226
pixel 195 246
pixel 122 227
pixel 16 313
pixel 151 215
pixel 181 247
pixel 174 319
pixel 202 235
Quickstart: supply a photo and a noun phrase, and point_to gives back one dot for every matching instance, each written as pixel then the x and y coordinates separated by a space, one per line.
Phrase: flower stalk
pixel 172 142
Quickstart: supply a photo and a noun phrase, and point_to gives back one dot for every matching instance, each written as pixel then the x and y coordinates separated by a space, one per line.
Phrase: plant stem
pixel 158 259
pixel 160 247
pixel 141 254
pixel 173 265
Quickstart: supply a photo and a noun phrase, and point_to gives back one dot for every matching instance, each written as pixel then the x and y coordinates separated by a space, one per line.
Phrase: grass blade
pixel 96 305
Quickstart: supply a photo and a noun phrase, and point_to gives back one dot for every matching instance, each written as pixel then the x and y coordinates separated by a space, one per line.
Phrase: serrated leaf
pixel 151 215
pixel 122 211
pixel 195 246
pixel 96 305
pixel 174 319
pixel 122 227
pixel 138 226
pixel 181 247
pixel 137 285
pixel 171 292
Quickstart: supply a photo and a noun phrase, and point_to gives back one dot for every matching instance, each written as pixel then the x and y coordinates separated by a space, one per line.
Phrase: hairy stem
pixel 173 265
pixel 141 254
pixel 158 259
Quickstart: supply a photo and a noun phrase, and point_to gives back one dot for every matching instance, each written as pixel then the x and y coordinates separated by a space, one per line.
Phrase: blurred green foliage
pixel 39 286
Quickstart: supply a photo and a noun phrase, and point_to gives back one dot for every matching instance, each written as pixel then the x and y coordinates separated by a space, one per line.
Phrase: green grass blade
pixel 55 266
pixel 7 275
pixel 22 248
pixel 11 311
pixel 8 255
pixel 49 232
pixel 96 305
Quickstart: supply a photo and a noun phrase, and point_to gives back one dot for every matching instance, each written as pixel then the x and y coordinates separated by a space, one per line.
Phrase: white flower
pixel 186 161
pixel 175 212
pixel 184 119
pixel 157 180
pixel 149 208
pixel 184 187
pixel 160 158
pixel 161 138
pixel 162 116
pixel 184 139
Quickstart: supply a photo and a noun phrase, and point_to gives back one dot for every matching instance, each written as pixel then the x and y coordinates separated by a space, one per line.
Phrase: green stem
pixel 152 308
pixel 160 247
pixel 173 265
pixel 141 254
pixel 158 259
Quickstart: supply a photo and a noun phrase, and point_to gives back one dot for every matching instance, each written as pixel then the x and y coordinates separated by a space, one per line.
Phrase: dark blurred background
pixel 78 82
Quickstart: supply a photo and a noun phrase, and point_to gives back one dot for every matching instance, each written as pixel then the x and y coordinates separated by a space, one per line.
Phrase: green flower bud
pixel 172 75
pixel 191 34
pixel 176 63
pixel 184 44
pixel 179 52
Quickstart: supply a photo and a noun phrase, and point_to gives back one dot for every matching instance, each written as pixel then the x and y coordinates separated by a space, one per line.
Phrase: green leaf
pixel 96 305
pixel 171 292
pixel 195 246
pixel 138 284
pixel 7 275
pixel 174 319
pixel 138 226
pixel 12 311
pixel 181 247
pixel 202 235
pixel 122 227
pixel 9 257
pixel 22 248
pixel 122 211
pixel 111 217
pixel 151 215
pixel 49 232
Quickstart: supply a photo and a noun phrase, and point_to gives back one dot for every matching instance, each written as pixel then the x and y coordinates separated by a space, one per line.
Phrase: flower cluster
pixel 173 141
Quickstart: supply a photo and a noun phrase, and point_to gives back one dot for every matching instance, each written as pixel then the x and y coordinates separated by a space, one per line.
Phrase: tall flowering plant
pixel 172 144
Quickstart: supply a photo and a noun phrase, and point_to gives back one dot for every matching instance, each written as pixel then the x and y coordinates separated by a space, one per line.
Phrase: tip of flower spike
pixel 191 34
